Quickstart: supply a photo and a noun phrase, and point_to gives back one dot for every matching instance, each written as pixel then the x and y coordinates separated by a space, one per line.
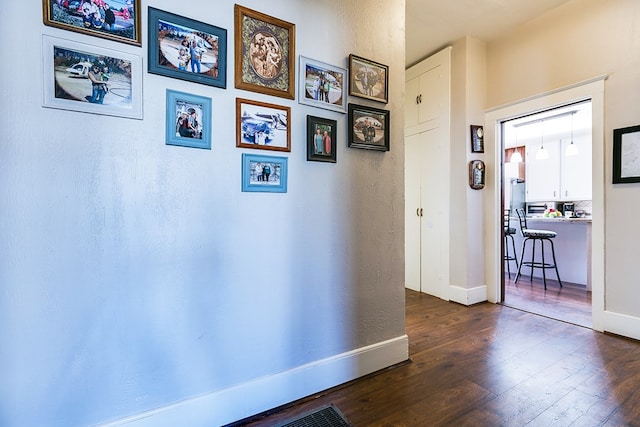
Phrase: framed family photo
pixel 368 128
pixel 262 126
pixel 322 85
pixel 117 20
pixel 188 122
pixel 368 79
pixel 626 155
pixel 264 53
pixel 186 49
pixel 321 139
pixel 90 79
pixel 264 173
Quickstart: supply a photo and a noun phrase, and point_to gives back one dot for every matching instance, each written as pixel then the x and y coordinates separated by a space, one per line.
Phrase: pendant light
pixel 542 153
pixel 516 157
pixel 572 149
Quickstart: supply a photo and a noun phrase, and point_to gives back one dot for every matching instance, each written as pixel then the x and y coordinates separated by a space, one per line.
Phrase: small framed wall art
pixel 322 85
pixel 188 122
pixel 477 139
pixel 91 79
pixel 264 53
pixel 368 128
pixel 626 155
pixel 262 126
pixel 117 20
pixel 321 139
pixel 368 79
pixel 266 174
pixel 186 49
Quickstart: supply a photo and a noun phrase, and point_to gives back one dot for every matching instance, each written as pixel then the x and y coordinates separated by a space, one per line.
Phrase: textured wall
pixel 577 41
pixel 134 274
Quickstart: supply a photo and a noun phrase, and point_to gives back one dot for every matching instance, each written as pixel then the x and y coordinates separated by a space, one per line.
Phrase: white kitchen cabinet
pixel 427 204
pixel 560 177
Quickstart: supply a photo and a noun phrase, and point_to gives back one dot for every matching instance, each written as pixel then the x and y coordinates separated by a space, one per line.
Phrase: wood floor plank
pixel 490 365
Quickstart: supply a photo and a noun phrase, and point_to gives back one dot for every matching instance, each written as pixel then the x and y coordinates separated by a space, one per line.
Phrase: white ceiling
pixel 434 24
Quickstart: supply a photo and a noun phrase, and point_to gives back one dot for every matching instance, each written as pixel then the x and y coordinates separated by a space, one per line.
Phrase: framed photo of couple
pixel 322 85
pixel 265 174
pixel 368 128
pixel 368 79
pixel 321 139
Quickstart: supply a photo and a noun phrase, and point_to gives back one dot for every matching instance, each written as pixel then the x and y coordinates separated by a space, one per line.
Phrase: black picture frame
pixel 321 149
pixel 626 155
pixel 368 127
pixel 368 79
pixel 167 34
pixel 477 139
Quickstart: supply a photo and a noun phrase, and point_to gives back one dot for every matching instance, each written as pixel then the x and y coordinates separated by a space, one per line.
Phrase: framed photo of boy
pixel 368 128
pixel 264 53
pixel 264 173
pixel 117 20
pixel 322 85
pixel 90 79
pixel 186 49
pixel 321 139
pixel 368 79
pixel 262 126
pixel 188 122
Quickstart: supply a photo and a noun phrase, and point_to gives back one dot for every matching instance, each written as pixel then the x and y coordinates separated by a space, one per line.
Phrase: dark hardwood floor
pixel 571 303
pixel 490 365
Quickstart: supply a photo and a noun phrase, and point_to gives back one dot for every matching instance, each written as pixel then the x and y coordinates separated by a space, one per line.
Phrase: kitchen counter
pixel 540 218
pixel 572 244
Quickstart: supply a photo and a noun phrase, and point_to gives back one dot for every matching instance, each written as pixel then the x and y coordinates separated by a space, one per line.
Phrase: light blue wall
pixel 134 275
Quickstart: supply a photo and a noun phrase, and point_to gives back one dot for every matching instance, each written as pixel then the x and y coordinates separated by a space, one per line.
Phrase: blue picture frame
pixel 254 178
pixel 169 32
pixel 183 106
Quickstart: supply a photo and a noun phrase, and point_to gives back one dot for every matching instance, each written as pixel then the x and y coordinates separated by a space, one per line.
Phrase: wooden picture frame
pixel 255 177
pixel 121 25
pixel 174 42
pixel 262 126
pixel 322 85
pixel 264 53
pixel 626 155
pixel 67 84
pixel 368 128
pixel 368 79
pixel 321 139
pixel 188 120
pixel 477 139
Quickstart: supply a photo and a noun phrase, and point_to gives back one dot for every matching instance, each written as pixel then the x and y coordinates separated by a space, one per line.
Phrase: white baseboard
pixel 242 401
pixel 622 324
pixel 468 296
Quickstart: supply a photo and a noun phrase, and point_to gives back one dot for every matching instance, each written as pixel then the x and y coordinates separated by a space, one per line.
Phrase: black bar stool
pixel 508 235
pixel 541 236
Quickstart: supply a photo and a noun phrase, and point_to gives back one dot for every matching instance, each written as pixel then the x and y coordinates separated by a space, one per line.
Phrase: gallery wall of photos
pixel 99 80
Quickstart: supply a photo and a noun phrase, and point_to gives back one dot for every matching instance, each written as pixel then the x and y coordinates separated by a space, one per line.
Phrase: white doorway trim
pixel 592 89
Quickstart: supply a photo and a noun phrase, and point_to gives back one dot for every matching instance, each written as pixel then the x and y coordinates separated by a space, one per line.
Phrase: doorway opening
pixel 547 179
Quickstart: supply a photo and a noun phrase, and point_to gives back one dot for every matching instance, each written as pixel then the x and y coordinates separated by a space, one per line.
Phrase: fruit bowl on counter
pixel 552 213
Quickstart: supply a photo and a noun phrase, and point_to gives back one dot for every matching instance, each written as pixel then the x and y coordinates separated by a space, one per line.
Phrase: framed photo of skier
pixel 322 85
pixel 188 122
pixel 264 53
pixel 117 20
pixel 90 79
pixel 186 49
pixel 265 174
pixel 262 126
pixel 321 139
pixel 368 79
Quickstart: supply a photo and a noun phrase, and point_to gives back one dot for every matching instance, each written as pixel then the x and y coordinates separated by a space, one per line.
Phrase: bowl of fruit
pixel 552 213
